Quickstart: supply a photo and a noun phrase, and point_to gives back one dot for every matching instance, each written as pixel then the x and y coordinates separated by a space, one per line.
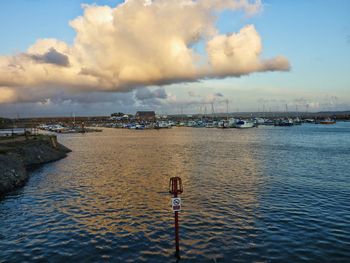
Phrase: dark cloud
pixel 63 109
pixel 52 56
pixel 219 94
pixel 116 98
pixel 58 95
pixel 62 103
pixel 147 94
pixel 160 94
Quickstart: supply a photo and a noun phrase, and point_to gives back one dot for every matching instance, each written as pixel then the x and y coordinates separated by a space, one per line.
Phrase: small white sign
pixel 176 204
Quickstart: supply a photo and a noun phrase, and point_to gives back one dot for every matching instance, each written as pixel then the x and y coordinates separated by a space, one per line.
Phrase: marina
pixel 129 121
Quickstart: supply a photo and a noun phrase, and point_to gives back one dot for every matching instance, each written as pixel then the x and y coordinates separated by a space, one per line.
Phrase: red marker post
pixel 175 188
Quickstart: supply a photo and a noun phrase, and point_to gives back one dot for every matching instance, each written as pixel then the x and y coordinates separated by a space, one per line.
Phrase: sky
pixel 98 57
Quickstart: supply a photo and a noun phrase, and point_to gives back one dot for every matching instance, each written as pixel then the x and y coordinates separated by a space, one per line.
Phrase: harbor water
pixel 267 194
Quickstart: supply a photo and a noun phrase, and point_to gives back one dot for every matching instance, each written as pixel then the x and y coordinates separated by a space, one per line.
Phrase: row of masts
pixel 237 110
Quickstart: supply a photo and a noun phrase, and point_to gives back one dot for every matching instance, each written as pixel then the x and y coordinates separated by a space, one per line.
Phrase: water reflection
pixel 222 193
pixel 127 181
pixel 122 190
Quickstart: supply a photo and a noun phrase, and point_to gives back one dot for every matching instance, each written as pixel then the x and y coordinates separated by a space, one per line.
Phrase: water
pixel 8 132
pixel 271 194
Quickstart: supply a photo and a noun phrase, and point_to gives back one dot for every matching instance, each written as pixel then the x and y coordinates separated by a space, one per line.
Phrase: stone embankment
pixel 22 152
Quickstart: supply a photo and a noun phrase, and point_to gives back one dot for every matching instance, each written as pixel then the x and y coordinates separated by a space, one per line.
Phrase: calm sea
pixel 268 194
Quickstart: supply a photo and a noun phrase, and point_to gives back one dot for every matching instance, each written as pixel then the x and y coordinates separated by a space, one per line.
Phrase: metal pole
pixel 177 246
pixel 177 253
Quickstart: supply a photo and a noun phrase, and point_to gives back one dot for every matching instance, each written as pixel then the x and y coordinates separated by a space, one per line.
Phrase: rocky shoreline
pixel 19 154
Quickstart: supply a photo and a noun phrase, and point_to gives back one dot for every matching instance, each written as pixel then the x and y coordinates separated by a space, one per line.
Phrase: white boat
pixel 58 128
pixel 232 122
pixel 171 123
pixel 242 124
pixel 191 123
pixel 210 125
pixel 139 127
pixel 162 125
pixel 223 124
pixel 259 121
pixel 44 127
pixel 284 122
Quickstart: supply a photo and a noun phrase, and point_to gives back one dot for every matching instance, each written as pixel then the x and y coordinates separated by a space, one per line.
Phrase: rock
pixel 12 172
pixel 22 154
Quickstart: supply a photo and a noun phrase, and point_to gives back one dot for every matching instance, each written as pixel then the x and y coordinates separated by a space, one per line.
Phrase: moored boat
pixel 223 124
pixel 284 122
pixel 232 122
pixel 162 125
pixel 210 125
pixel 243 124
pixel 328 121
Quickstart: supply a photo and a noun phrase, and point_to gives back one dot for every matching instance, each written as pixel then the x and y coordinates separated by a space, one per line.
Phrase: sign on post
pixel 175 188
pixel 176 204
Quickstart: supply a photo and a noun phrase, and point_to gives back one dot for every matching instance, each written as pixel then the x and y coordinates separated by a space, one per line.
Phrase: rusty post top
pixel 175 185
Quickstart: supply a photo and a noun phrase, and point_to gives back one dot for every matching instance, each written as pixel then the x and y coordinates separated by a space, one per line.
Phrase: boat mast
pixel 182 114
pixel 212 110
pixel 226 109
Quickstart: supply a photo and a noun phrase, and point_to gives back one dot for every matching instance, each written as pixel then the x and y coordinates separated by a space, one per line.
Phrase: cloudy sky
pixel 97 57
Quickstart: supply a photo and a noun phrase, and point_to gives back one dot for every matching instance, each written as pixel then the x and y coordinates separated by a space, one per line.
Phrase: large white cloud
pixel 239 54
pixel 135 44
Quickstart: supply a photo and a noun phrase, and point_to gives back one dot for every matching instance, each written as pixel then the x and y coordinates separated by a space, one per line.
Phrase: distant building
pixel 145 116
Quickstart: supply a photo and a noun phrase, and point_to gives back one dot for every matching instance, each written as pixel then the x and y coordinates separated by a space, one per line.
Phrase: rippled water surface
pixel 269 194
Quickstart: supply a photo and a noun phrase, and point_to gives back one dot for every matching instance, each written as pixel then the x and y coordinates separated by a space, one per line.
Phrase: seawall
pixel 22 152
